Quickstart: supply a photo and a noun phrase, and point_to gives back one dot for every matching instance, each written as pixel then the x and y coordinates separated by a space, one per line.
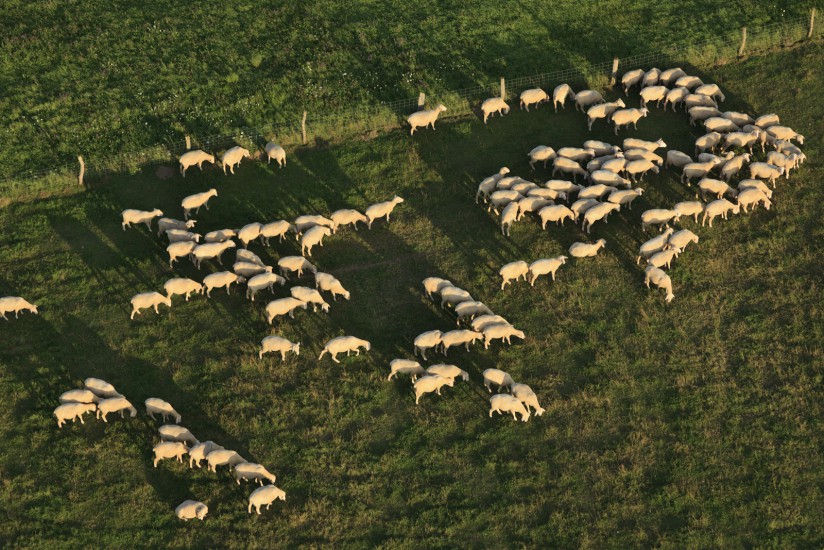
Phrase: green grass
pixel 693 424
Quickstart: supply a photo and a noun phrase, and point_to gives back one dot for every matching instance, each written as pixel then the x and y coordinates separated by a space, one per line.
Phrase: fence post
pixel 503 88
pixel 188 142
pixel 82 170
pixel 615 71
pixel 303 127
pixel 743 41
pixel 421 101
pixel 812 23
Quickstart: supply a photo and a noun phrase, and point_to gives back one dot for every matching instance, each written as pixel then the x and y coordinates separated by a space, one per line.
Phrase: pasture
pixel 692 424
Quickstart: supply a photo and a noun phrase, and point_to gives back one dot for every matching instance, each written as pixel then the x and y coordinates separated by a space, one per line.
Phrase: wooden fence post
pixel 743 41
pixel 503 88
pixel 188 142
pixel 615 71
pixel 82 170
pixel 303 127
pixel 421 101
pixel 812 23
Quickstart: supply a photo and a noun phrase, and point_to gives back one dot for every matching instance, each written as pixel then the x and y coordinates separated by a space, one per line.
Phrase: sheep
pixel 718 161
pixel 701 113
pixel 182 286
pixel 585 98
pixel 608 178
pixel 448 371
pixel 169 449
pixel 562 186
pixel 651 146
pixel 164 224
pixel 602 110
pixel 503 403
pixel 72 411
pixel 631 78
pixel 696 170
pixel 663 258
pixel 733 166
pixel 586 250
pixel 249 233
pixel 788 148
pixel 405 366
pixel 431 383
pixel 625 196
pixel 541 153
pixel 210 251
pixel 691 208
pixel 681 239
pixel 500 378
pixel 753 196
pixel 344 343
pixel 480 323
pixel 265 496
pixel 262 281
pixel 283 306
pixel 533 96
pixel 223 457
pixel 641 154
pixel 782 161
pixel 221 279
pixel 720 125
pixel 765 170
pixel 310 296
pixel 427 340
pixel 755 184
pixel 556 213
pixel 765 121
pixel 424 118
pixel 689 82
pixel 525 395
pixel 314 236
pixel 503 198
pixel 190 158
pixel 617 165
pixel 568 166
pixel 471 309
pixel 232 158
pixel 78 396
pixel 148 300
pixel 131 216
pixel 434 284
pixel 219 236
pixel 346 217
pixel 380 210
pixel 548 194
pixel 625 117
pixel 452 295
pixel 196 201
pixel 191 509
pixel 711 90
pixel 328 283
pixel 671 75
pixel 277 228
pixel 545 266
pixel 198 452
pixel 459 337
pixel 114 404
pixel 15 304
pixel 674 97
pixel 249 269
pixel 740 139
pixel 655 244
pixel 276 343
pixel 500 331
pixel 716 187
pixel 718 208
pixel 306 222
pixel 659 278
pixel 596 163
pixel 289 264
pixel 488 185
pixel 249 471
pixel 164 408
pixel 707 142
pixel 580 206
pixel 178 235
pixel 740 119
pixel 637 169
pixel 560 95
pixel 172 432
pixel 532 203
pixel 598 212
pixel 494 105
pixel 508 182
pixel 651 77
pixel 595 191
pixel 576 153
pixel 276 152
pixel 513 271
pixel 660 217
pixel 601 147
pixel 653 93
pixel 100 388
pixel 698 100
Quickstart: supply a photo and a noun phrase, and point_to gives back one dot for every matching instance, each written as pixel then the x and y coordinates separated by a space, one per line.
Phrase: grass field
pixel 693 424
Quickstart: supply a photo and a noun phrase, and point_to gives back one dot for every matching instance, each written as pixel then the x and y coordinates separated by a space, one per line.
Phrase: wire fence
pixel 713 51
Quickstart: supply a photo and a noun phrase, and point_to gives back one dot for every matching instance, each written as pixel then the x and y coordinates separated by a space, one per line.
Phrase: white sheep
pixel 219 236
pixel 424 118
pixel 753 196
pixel 405 366
pixel 682 238
pixel 545 266
pixel 430 383
pixel 659 278
pixel 595 191
pixel 427 340
pixel 459 337
pixel 625 196
pixel 72 411
pixel 131 216
pixel 494 105
pixel 701 113
pixel 637 169
pixel 532 96
pixel 585 98
pixel 707 142
pixel 250 471
pixel 198 452
pixel 783 161
pixel 500 378
pixel 164 224
pixel 548 194
pixel 741 139
pixel 305 222
pixel 576 153
pixel 249 269
pixel 291 264
pixel 651 77
pixel 788 148
pixel 178 235
pixel 669 76
pixel 718 161
pixel 263 281
pixel 562 186
pixel 452 295
pixel 277 229
pixel 190 158
pixel 586 250
pixel 631 78
pixel 169 449
pixel 716 187
pixel 221 279
pixel 766 171
pixel 502 198
pixel 741 119
pixel 194 202
pixel 698 100
pixel 696 170
pixel 560 95
pixel 556 213
pixel 100 388
pixel 346 217
pixel 597 213
pixel 489 184
pixel 755 184
pixel 232 158
pixel 603 110
pixel 541 153
pixel 244 255
pixel 432 285
pixel 663 258
pixel 342 344
pixel 283 306
pixel 210 251
pixel 471 309
pixel 182 286
pixel 310 296
pixel 15 304
pixel 675 96
pixel 501 331
pixel 651 146
pixel 690 208
pixel 503 403
pixel 601 148
pixel 148 300
pixel 276 152
pixel 582 205
pixel 531 203
pixel 172 432
pixel 689 82
pixel 480 323
pixel 711 90
pixel 661 217
pixel 277 344
pixel 115 404
pixel 448 371
pixel 314 236
pixel 720 125
pixel 381 209
pixel 513 271
pixel 161 407
pixel 525 395
pixel 617 165
pixel 78 396
pixel 643 154
pixel 191 509
pixel 249 233
pixel 655 244
pixel 328 283
pixel 625 117
pixel 765 121
pixel 223 457
pixel 265 496
pixel 653 93
pixel 718 208
pixel 732 166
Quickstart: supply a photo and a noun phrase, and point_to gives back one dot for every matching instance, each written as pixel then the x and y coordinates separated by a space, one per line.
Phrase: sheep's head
pixel 800 138
pixel 736 209
pixel 245 153
pixel 655 169
pixel 165 300
pixel 367 345
pixel 601 243
pixel 441 108
pixel 781 170
pixel 296 351
pixel 240 279
pixel 397 200
pixel 767 203
pixel 201 511
pixel 33 309
pixel 157 212
pixel 620 103
pixel 563 259
pixel 212 192
pixel 503 171
pixel 324 307
pixel 670 297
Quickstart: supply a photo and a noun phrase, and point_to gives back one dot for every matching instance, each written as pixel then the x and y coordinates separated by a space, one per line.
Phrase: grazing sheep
pixel 660 217
pixel 171 432
pixel 72 411
pixel 246 256
pixel 139 216
pixel 716 187
pixel 161 407
pixel 782 161
pixel 601 148
pixel 405 366
pixel 597 213
pixel 182 286
pixel 169 449
pixel 314 236
pixel 249 233
pixel 617 165
pixel 494 105
pixel 701 114
pixel 78 396
pixel 689 82
pixel 210 251
pixel 431 383
pixel 509 215
pixel 533 96
pixel 532 203
pixel 277 344
pixel 328 283
pixel 249 269
pixel 576 153
pixel 663 258
pixel 306 222
pixel 548 194
pixel 541 153
pixel 219 236
pixel 631 78
pixel 740 139
pixel 525 187
pixel 586 250
pixel 682 238
pixel 653 93
pixel 608 178
pixel 480 323
pixel 459 337
pixel 265 496
pixel 500 199
pixel 582 205
pixel 500 378
pixel 503 403
pixel 448 371
pixel 199 452
pixel 146 300
pixel 346 217
pixel 595 191
pixel 560 95
pixel 178 235
pixel 500 331
pixel 424 118
pixel 765 121
pixel 625 196
pixel 380 210
pixel 651 146
pixel 545 266
pixel 100 388
pixel 698 100
pixel 249 471
pixel 602 110
pixel 434 284
pixel 277 229
pixel 469 310
pixel 707 142
pixel 710 90
pixel 427 340
pixel 691 208
pixel 718 161
pixel 755 184
pixel 765 171
pixel 718 208
pixel 263 281
pixel 651 77
pixel 788 148
pixel 15 304
pixel 696 170
pixel 556 213
pixel 488 185
pixel 585 98
pixel 342 344
pixel 191 509
pixel 637 169
pixel 194 202
pixel 508 182
pixel 733 166
pixel 563 186
pixel 115 404
pixel 223 457
pixel 674 97
pixel 659 278
pixel 513 271
pixel 276 152
pixel 232 158
pixel 290 264
pixel 310 296
pixel 190 158
pixel 525 395
pixel 625 117
pixel 670 76
pixel 165 224
pixel 741 119
pixel 655 244
pixel 221 279
pixel 643 154
pixel 753 196
pixel 721 125
pixel 452 295
pixel 283 306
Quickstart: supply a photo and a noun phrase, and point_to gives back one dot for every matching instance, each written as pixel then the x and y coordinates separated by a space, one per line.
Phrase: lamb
pixel 651 77
pixel 277 229
pixel 711 90
pixel 560 95
pixel 562 186
pixel 164 224
pixel 586 250
pixel 448 371
pixel 427 340
pixel 114 404
pixel 210 251
pixel 598 212
pixel 452 295
pixel 458 337
pixel 585 98
pixel 500 331
pixel 674 97
pixel 671 75
pixel 631 78
pixel 663 258
pixel 405 366
pixel 191 509
pixel 291 264
pixel 310 296
pixel 346 217
pixel 513 271
pixel 653 93
pixel 171 432
pixel 595 191
pixel 718 208
pixel 265 496
pixel 740 139
pixel 276 152
pixel 741 119
pixel 199 452
pixel 525 395
pixel 139 216
pixel 721 125
pixel 494 105
pixel 716 187
pixel 471 309
pixel 249 471
pixel 533 96
pixel 276 343
pixel 380 210
pixel 15 304
pixel 538 154
pixel 424 118
pixel 691 208
pixel 178 235
pixel 221 279
pixel 651 146
pixel 249 269
pixel 698 100
pixel 733 166
pixel 660 217
pixel 500 378
pixel 655 244
pixel 767 171
pixel 219 236
pixel 78 396
pixel 608 178
pixel 707 142
pixel 182 286
pixel 72 411
pixel 582 205
pixel 659 278
pixel 100 388
pixel 480 323
pixel 556 213
pixel 342 344
pixel 190 158
pixel 625 117
pixel 164 408
pixel 682 238
pixel 701 113
pixel 169 449
pixel 782 161
pixel 283 306
pixel 545 266
pixel 753 196
pixel 303 223
pixel 146 300
pixel 223 457
pixel 696 170
pixel 689 82
pixel 232 158
pixel 314 236
pixel 429 383
pixel 194 202
pixel 602 110
pixel 637 169
pixel 328 283
pixel 625 196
